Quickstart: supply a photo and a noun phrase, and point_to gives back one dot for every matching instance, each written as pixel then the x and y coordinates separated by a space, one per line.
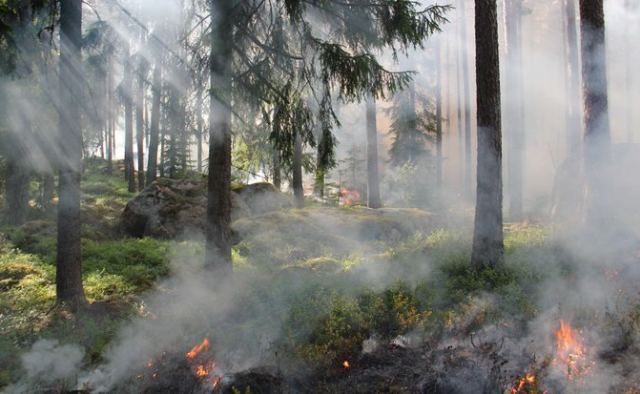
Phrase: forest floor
pixel 324 299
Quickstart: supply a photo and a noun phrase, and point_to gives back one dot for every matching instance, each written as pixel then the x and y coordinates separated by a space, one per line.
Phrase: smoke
pixel 48 362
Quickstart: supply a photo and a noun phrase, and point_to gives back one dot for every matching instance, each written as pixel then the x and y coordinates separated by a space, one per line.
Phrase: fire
pixel 526 384
pixel 571 353
pixel 203 366
pixel 349 197
pixel 204 345
pixel 345 364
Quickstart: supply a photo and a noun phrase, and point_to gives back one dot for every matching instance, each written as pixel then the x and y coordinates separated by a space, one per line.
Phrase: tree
pixel 139 110
pixel 412 126
pixel 373 179
pixel 572 72
pixel 241 31
pixel 69 288
pixel 514 115
pixel 466 94
pixel 488 241
pixel 154 132
pixel 597 139
pixel 127 92
pixel 438 89
pixel 218 229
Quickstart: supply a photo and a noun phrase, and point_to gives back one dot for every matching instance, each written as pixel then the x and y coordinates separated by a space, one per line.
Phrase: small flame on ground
pixel 525 384
pixel 193 353
pixel 205 368
pixel 571 353
pixel 349 197
pixel 345 364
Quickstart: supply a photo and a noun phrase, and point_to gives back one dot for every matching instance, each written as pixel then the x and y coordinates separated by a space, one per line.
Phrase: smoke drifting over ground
pixel 254 319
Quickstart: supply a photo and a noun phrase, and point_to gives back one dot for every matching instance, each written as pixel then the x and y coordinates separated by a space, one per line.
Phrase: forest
pixel 319 196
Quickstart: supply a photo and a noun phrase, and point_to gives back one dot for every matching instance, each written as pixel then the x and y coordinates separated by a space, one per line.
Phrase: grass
pixel 331 277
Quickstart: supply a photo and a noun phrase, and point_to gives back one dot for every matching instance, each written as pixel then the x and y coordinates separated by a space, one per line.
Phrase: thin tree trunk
pixel 467 104
pixel 574 122
pixel 128 123
pixel 488 241
pixel 438 116
pixel 597 137
pixel 218 230
pixel 199 128
pixel 69 288
pixel 373 180
pixel 17 192
pixel 277 173
pixel 48 186
pixel 628 74
pixel 152 166
pixel 109 111
pixel 139 105
pixel 298 190
pixel 514 118
pixel 318 186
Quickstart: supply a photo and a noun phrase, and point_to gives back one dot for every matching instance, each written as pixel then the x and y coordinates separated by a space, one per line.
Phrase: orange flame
pixel 524 384
pixel 345 364
pixel 349 197
pixel 571 352
pixel 204 345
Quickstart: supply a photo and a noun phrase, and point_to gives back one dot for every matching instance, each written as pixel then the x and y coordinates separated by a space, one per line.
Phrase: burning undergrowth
pixel 449 330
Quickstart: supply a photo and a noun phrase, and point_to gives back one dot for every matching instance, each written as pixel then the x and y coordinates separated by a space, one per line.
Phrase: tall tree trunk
pixel 277 173
pixel 514 98
pixel 17 191
pixel 48 186
pixel 69 289
pixel 467 104
pixel 488 242
pixel 628 73
pixel 597 137
pixel 318 186
pixel 110 115
pixel 199 128
pixel 139 105
pixel 439 159
pixel 298 189
pixel 152 166
pixel 574 122
pixel 373 180
pixel 218 230
pixel 128 122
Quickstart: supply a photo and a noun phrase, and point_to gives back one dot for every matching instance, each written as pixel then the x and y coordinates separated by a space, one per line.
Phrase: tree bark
pixel 17 192
pixel 514 116
pixel 152 166
pixel 69 288
pixel 128 123
pixel 373 180
pixel 318 186
pixel 466 93
pixel 277 173
pixel 298 189
pixel 139 105
pixel 488 242
pixel 48 186
pixel 597 139
pixel 574 123
pixel 438 117
pixel 199 127
pixel 218 230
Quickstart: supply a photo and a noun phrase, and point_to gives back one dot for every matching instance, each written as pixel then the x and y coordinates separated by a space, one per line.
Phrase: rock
pixel 171 207
pixel 262 197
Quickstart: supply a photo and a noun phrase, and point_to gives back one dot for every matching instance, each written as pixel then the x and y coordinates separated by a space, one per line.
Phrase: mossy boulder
pixel 262 197
pixel 170 208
